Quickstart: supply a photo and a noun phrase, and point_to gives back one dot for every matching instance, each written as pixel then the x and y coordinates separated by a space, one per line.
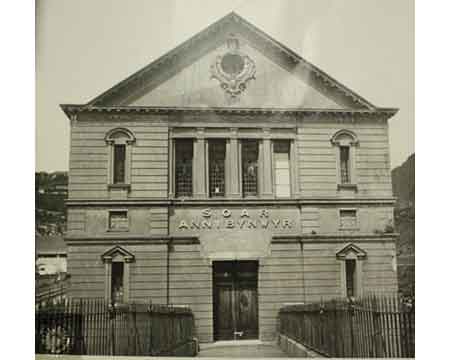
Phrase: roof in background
pixel 50 244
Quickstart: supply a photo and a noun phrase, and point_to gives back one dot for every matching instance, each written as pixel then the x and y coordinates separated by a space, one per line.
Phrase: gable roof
pixel 192 49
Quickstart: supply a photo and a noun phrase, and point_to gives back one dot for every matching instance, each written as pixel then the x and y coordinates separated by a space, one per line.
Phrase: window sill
pixel 120 186
pixel 348 229
pixel 117 230
pixel 347 187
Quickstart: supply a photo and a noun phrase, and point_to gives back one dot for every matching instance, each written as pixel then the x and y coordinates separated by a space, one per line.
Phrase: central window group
pixel 249 164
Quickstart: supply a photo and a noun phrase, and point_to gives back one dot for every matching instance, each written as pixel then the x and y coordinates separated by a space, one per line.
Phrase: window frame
pixel 208 163
pixel 119 136
pixel 174 166
pixel 340 227
pixel 351 252
pixel 346 138
pixel 117 254
pixel 258 167
pixel 290 167
pixel 109 229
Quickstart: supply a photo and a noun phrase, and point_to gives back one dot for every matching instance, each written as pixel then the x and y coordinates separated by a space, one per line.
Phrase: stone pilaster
pixel 199 174
pixel 232 169
pixel 267 180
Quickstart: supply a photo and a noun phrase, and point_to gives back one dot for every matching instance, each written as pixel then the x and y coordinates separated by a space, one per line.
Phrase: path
pixel 241 349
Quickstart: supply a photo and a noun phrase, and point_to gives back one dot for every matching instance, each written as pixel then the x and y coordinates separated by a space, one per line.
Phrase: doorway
pixel 235 300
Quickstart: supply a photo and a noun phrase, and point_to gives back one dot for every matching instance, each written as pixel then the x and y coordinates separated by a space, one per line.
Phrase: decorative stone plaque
pixel 233 70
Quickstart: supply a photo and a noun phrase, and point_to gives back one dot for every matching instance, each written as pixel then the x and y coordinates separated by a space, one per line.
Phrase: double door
pixel 235 300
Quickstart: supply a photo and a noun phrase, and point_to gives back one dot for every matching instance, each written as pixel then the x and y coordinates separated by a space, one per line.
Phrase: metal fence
pixel 373 326
pixel 95 327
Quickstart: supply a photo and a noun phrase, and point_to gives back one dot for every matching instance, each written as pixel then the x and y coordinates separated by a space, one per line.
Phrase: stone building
pixel 233 176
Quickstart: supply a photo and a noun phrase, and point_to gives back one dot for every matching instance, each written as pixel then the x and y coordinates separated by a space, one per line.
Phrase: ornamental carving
pixel 233 69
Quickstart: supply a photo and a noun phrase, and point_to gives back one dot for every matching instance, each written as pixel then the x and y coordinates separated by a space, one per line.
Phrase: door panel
pixel 235 300
pixel 223 318
pixel 247 312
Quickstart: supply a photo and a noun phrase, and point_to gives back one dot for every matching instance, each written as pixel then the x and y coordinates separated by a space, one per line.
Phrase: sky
pixel 84 47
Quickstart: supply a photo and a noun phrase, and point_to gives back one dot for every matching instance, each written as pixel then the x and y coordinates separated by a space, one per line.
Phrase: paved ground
pixel 245 350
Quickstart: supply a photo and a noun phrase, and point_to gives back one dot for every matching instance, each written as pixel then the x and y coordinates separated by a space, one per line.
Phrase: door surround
pixel 235 300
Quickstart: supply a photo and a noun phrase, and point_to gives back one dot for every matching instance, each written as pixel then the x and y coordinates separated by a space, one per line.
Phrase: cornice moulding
pixel 236 202
pixel 71 109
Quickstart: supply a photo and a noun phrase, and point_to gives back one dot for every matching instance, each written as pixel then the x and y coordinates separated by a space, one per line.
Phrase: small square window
pixel 348 219
pixel 118 220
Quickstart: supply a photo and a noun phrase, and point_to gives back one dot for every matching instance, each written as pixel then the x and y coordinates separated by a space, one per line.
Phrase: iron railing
pixel 95 327
pixel 373 326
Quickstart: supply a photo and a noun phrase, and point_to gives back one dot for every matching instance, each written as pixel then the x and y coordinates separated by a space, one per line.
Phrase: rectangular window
pixel 183 167
pixel 350 274
pixel 281 149
pixel 344 152
pixel 118 220
pixel 119 164
pixel 216 157
pixel 347 219
pixel 250 155
pixel 117 282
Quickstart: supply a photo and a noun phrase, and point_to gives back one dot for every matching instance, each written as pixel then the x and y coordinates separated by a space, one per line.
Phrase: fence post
pixel 377 328
pixel 112 315
pixel 351 311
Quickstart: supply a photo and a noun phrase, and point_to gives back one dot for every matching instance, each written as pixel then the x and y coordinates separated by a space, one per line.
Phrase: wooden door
pixel 235 300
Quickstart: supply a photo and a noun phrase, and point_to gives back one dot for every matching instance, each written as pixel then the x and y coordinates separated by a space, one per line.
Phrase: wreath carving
pixel 233 69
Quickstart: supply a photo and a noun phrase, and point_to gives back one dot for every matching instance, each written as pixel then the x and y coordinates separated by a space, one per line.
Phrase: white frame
pixel 348 138
pixel 126 140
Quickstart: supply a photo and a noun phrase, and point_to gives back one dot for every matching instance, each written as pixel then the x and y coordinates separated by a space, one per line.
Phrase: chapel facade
pixel 231 176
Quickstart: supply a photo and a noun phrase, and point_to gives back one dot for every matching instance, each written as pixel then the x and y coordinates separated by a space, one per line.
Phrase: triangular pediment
pixel 266 74
pixel 272 86
pixel 117 252
pixel 351 251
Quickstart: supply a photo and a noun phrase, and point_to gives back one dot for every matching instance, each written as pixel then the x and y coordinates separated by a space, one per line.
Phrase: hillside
pixel 50 194
pixel 403 184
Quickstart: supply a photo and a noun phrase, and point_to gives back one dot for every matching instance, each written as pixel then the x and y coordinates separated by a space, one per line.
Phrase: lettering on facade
pixel 235 219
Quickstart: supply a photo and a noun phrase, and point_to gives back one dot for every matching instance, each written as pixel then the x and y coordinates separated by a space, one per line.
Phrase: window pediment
pixel 117 252
pixel 120 136
pixel 344 137
pixel 351 251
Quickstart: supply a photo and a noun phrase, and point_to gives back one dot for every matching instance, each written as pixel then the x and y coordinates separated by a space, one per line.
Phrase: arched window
pixel 345 142
pixel 119 141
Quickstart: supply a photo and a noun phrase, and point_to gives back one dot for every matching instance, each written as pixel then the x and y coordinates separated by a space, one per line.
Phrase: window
pixel 183 167
pixel 119 164
pixel 250 154
pixel 119 141
pixel 351 258
pixel 348 219
pixel 117 282
pixel 118 220
pixel 345 142
pixel 117 262
pixel 344 158
pixel 350 274
pixel 216 157
pixel 282 176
